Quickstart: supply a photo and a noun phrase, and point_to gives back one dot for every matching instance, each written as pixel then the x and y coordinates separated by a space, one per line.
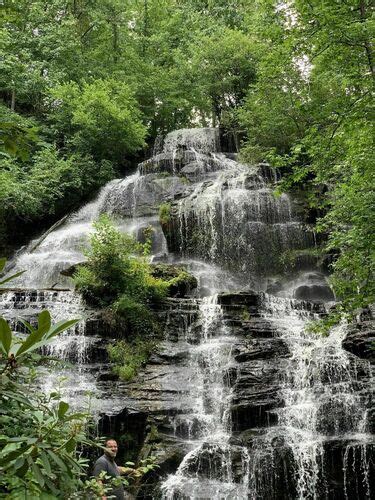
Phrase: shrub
pixel 48 186
pixel 100 118
pixel 129 357
pixel 137 316
pixel 118 275
pixel 165 214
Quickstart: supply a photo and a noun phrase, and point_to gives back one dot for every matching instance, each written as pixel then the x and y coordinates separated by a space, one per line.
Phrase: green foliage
pixel 18 135
pixel 49 186
pixel 129 356
pixel 218 70
pixel 38 435
pixel 15 348
pixel 38 441
pixel 118 274
pixel 136 316
pixel 317 72
pixel 100 118
pixel 165 214
pixel 323 326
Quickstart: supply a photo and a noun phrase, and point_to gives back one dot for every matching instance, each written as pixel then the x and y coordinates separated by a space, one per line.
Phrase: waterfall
pixel 247 403
pixel 322 402
pixel 207 469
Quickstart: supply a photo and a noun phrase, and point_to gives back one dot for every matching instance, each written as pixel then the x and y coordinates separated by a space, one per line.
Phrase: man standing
pixel 107 464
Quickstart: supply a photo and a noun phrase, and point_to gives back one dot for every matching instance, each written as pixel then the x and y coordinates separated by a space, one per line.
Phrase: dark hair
pixel 109 439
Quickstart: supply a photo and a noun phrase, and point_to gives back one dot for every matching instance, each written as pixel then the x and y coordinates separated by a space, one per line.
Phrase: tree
pixel 101 119
pixel 316 122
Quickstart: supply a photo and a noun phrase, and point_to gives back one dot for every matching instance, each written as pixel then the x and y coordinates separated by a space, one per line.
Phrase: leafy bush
pixel 49 185
pixel 118 274
pixel 18 135
pixel 136 316
pixel 165 213
pixel 129 357
pixel 38 436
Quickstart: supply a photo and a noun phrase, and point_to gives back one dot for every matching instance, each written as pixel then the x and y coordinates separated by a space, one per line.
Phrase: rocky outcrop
pixel 360 340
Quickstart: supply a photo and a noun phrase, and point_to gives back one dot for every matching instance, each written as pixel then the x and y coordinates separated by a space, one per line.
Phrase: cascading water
pixel 207 469
pixel 257 407
pixel 324 401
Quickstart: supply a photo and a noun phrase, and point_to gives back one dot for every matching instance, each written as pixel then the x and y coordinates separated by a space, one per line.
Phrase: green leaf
pixel 27 325
pixel 63 408
pixel 37 472
pixel 19 462
pixel 5 336
pixel 16 439
pixel 70 445
pixel 22 470
pixel 9 457
pixel 30 342
pixel 10 278
pixel 45 462
pixel 3 261
pixel 44 321
pixel 52 487
pixel 60 327
pixel 57 460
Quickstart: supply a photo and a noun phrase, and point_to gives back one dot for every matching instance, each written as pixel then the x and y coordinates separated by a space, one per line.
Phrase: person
pixel 107 464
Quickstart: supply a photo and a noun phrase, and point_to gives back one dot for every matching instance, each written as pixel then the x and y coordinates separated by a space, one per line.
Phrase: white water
pixel 321 397
pixel 207 470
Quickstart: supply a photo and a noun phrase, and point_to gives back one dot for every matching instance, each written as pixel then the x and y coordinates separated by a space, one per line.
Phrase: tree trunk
pixel 367 43
pixel 13 100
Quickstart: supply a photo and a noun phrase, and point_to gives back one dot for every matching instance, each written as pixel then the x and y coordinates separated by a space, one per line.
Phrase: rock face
pixel 360 339
pixel 254 393
pixel 239 400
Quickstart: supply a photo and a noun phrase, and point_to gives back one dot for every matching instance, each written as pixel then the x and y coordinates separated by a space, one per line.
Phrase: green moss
pixel 178 280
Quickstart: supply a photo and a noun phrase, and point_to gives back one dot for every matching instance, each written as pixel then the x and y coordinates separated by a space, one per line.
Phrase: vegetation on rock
pixel 117 274
pixel 129 356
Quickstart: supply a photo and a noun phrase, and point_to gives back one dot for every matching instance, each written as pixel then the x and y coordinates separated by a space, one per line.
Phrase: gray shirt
pixel 110 467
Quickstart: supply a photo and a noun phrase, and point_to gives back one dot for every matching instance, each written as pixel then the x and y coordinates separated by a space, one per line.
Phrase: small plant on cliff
pixel 38 434
pixel 129 356
pixel 165 213
pixel 323 326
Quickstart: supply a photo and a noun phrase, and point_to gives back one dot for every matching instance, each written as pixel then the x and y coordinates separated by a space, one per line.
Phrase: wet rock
pixel 257 327
pixel 107 376
pixel 314 293
pixel 360 340
pixel 193 170
pixel 248 298
pixel 211 461
pixel 260 349
pixel 256 393
pixel 129 421
pixel 347 469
